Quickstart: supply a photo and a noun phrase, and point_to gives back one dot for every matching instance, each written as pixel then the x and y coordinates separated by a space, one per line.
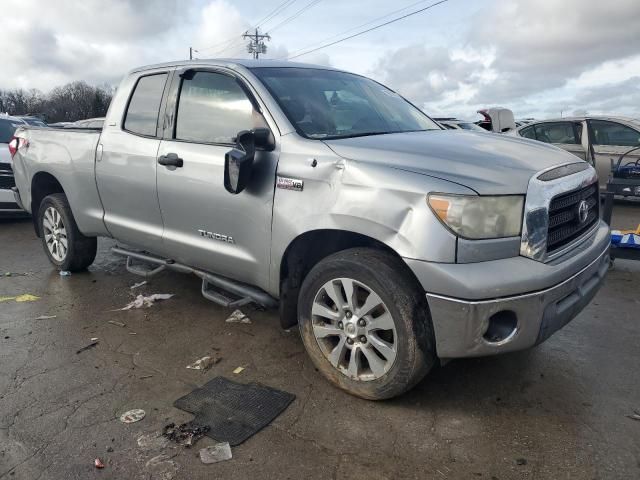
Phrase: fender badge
pixel 287 183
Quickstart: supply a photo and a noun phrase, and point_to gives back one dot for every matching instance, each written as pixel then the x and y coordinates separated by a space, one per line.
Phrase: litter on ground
pixel 635 416
pixel 238 370
pixel 132 416
pixel 25 297
pixel 117 324
pixel 94 342
pixel 146 301
pixel 216 453
pixel 238 317
pixel 137 285
pixel 46 317
pixel 98 463
pixel 65 273
pixel 186 434
pixel 203 363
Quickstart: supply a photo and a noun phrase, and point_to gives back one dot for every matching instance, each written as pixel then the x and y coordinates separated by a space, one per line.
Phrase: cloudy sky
pixel 539 58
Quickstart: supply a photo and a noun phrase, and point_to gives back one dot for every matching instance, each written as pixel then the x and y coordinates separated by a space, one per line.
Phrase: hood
pixel 487 163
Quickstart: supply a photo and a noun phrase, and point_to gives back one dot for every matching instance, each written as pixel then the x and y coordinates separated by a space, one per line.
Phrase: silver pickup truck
pixel 391 242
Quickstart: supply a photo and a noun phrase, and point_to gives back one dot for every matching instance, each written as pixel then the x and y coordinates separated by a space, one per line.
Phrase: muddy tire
pixel 66 247
pixel 365 323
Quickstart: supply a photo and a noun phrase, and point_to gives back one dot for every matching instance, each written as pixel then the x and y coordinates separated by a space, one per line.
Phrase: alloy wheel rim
pixel 354 329
pixel 55 234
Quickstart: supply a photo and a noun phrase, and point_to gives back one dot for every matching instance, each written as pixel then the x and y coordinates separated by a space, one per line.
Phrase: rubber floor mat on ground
pixel 234 411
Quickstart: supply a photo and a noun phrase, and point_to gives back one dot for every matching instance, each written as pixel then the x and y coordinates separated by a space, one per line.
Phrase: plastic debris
pixel 146 376
pixel 216 453
pixel 137 285
pixel 635 416
pixel 153 441
pixel 46 317
pixel 186 434
pixel 204 363
pixel 94 342
pixel 65 273
pixel 238 317
pixel 146 301
pixel 161 467
pixel 132 416
pixel 17 274
pixel 98 463
pixel 26 297
pixel 238 370
pixel 117 324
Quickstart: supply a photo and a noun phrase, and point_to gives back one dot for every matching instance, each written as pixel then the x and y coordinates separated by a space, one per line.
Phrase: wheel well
pixel 43 184
pixel 304 253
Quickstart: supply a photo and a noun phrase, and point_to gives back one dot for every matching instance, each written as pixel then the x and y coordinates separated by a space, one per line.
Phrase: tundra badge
pixel 290 184
pixel 216 236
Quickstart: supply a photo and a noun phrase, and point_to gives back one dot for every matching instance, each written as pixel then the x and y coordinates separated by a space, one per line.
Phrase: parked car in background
pixel 600 140
pixel 97 122
pixel 31 120
pixel 524 121
pixel 389 240
pixel 455 124
pixel 8 205
pixel 497 120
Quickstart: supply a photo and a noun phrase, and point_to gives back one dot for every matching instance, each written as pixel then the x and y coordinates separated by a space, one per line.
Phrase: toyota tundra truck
pixel 392 243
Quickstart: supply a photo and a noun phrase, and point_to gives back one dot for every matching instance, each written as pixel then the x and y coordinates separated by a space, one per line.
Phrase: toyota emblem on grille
pixel 583 211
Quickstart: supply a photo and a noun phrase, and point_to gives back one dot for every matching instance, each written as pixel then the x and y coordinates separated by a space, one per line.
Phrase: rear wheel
pixel 66 247
pixel 365 323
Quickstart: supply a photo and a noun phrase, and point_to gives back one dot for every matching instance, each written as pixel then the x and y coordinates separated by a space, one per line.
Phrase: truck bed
pixel 68 155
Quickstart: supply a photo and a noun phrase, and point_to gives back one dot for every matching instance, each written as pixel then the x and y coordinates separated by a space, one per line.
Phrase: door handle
pixel 170 160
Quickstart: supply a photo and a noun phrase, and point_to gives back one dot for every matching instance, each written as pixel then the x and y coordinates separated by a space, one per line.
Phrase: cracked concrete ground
pixel 556 411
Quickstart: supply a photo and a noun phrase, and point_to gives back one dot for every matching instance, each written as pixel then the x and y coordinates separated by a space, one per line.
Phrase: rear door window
pixel 142 113
pixel 214 108
pixel 556 132
pixel 614 134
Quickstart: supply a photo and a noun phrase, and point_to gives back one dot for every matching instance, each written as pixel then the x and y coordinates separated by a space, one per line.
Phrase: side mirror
pixel 264 139
pixel 238 162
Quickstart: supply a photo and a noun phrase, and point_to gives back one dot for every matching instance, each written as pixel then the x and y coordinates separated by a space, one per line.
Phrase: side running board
pixel 214 287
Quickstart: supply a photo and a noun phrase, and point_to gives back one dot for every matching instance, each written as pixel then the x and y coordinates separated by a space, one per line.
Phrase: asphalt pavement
pixel 560 410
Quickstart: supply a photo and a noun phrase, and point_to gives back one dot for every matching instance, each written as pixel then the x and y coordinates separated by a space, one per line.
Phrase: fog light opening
pixel 502 325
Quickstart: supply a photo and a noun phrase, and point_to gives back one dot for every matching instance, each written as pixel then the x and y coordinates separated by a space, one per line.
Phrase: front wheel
pixel 365 323
pixel 66 247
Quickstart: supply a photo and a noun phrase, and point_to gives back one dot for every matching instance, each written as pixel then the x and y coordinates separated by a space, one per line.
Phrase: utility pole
pixel 190 53
pixel 256 44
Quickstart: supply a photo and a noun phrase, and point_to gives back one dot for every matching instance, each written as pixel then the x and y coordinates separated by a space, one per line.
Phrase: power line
pixel 386 15
pixel 368 30
pixel 279 9
pixel 295 15
pixel 226 44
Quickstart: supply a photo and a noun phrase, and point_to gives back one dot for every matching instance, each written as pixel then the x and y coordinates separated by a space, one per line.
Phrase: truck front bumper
pixel 478 327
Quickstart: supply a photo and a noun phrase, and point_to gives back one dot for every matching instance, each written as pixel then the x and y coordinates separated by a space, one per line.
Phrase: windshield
pixel 7 128
pixel 326 104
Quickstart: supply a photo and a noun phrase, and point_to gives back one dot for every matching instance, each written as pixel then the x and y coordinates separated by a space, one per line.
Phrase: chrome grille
pixel 565 224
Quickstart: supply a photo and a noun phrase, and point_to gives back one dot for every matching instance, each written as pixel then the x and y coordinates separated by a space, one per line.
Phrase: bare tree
pixel 68 103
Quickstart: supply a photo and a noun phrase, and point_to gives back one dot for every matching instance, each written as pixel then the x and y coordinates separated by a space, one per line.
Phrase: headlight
pixel 477 217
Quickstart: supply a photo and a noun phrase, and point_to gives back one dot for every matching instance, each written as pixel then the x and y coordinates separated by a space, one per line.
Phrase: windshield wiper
pixel 369 134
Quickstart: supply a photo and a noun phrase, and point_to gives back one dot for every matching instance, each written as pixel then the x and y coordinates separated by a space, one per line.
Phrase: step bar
pixel 212 285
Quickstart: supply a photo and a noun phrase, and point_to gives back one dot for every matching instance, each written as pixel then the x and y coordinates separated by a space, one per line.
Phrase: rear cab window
pixel 142 112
